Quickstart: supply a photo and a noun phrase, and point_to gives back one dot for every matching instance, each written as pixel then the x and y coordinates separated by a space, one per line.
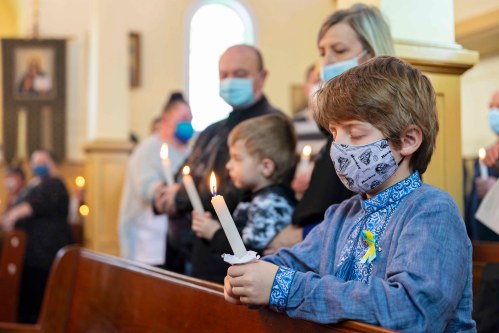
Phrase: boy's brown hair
pixel 270 136
pixel 388 93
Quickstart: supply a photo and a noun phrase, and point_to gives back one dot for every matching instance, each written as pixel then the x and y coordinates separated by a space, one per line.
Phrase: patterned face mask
pixel 363 168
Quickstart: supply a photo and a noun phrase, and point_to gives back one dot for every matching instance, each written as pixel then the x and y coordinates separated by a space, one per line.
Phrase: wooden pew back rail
pixel 483 253
pixel 91 292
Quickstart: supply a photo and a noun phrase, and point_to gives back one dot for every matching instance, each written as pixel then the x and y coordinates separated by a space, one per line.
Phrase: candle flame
pixel 213 183
pixel 80 181
pixel 186 170
pixel 307 151
pixel 481 153
pixel 164 152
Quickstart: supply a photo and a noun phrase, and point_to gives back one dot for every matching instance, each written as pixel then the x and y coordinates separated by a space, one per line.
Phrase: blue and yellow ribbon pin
pixel 370 239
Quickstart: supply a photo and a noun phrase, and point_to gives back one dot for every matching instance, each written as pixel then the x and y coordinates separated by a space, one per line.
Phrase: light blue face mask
pixel 494 120
pixel 237 92
pixel 333 70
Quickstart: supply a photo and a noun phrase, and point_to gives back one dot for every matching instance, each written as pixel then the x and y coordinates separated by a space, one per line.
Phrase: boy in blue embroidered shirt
pixel 397 254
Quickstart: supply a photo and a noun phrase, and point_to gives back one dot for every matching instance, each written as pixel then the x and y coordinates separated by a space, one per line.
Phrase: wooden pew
pixel 483 253
pixel 12 249
pixel 91 292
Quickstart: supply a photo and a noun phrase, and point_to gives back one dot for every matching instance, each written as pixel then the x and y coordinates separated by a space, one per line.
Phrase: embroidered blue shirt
pixel 378 211
pixel 419 282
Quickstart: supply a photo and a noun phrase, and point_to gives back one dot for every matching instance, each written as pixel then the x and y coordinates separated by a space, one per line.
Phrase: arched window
pixel 213 28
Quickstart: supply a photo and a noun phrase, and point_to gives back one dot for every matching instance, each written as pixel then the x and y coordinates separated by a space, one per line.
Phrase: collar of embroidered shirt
pixel 392 194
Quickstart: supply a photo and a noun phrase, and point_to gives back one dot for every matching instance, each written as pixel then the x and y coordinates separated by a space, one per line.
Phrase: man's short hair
pixel 259 58
pixel 388 93
pixel 270 136
pixel 50 154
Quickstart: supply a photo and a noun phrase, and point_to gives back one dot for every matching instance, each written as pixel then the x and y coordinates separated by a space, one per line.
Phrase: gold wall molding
pixel 436 58
pixel 480 33
pixel 444 65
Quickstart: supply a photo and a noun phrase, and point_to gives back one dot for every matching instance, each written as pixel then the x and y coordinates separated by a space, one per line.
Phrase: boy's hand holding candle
pixel 250 283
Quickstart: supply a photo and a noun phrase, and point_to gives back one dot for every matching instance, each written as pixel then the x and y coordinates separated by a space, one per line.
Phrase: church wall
pixel 479 83
pixel 477 87
pixel 465 9
pixel 287 39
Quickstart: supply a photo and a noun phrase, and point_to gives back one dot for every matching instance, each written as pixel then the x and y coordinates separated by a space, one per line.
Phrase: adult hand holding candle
pixel 484 172
pixel 225 218
pixel 192 192
pixel 166 164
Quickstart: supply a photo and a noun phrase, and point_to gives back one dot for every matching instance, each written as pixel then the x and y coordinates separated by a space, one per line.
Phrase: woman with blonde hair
pixel 347 38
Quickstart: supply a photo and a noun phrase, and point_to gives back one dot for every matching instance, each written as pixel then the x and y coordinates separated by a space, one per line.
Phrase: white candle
pixel 22 134
pixel 218 202
pixel 166 164
pixel 484 172
pixel 192 192
pixel 305 159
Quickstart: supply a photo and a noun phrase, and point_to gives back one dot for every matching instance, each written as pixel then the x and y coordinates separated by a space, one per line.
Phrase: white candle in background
pixel 166 164
pixel 192 192
pixel 304 164
pixel 22 134
pixel 484 172
pixel 218 202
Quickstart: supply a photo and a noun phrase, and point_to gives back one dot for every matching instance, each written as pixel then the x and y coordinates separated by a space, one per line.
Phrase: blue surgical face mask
pixel 40 170
pixel 494 119
pixel 333 70
pixel 184 131
pixel 237 92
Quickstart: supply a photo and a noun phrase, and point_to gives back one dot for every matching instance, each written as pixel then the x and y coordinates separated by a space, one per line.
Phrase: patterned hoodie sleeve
pixel 267 215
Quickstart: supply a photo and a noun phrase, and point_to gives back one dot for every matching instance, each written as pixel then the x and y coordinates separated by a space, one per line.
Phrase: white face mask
pixel 333 70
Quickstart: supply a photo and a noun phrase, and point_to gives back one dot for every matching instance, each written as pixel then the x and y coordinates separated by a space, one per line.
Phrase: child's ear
pixel 411 140
pixel 267 167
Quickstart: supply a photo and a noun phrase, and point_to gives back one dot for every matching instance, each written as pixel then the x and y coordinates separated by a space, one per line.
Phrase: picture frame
pixel 34 96
pixel 34 71
pixel 134 49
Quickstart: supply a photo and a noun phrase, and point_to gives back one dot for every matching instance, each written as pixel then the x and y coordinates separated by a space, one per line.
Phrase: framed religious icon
pixel 34 96
pixel 134 59
pixel 34 71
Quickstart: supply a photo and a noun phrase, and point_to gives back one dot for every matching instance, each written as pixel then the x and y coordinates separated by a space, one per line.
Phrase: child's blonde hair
pixel 388 93
pixel 270 136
